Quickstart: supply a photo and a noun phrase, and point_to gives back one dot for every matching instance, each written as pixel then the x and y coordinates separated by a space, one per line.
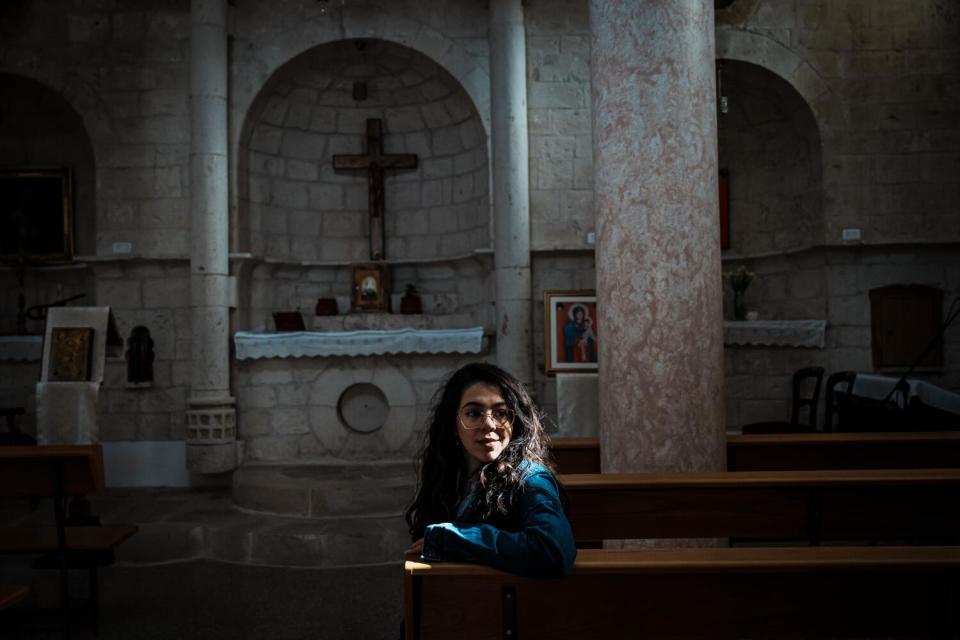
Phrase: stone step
pixel 324 490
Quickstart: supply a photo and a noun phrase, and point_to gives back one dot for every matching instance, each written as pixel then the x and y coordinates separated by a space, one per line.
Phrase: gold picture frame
pixel 71 352
pixel 36 214
pixel 371 288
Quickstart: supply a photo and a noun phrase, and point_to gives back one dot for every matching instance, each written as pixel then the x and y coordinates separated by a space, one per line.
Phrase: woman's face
pixel 486 443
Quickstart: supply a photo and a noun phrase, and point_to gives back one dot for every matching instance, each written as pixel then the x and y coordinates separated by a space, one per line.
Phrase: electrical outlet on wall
pixel 851 235
pixel 122 247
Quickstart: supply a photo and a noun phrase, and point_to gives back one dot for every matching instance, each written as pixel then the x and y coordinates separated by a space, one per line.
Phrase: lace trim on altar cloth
pixel 312 344
pixel 776 333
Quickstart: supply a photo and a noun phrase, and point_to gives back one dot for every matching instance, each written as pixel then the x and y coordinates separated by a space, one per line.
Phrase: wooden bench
pixel 576 455
pixel 11 595
pixel 705 593
pixel 899 450
pixel 786 452
pixel 801 506
pixel 59 473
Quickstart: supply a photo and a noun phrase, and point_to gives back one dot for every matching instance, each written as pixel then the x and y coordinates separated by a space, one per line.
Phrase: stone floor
pixel 209 600
pixel 201 567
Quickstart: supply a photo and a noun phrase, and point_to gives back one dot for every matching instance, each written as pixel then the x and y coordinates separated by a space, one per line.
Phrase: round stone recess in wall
pixel 363 408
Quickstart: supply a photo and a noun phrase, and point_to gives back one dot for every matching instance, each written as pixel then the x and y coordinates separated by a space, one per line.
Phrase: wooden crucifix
pixel 375 162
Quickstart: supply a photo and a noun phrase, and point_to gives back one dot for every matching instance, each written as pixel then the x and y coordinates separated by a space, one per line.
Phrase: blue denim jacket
pixel 534 539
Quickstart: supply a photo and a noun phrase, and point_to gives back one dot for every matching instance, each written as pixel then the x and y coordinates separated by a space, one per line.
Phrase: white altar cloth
pixel 877 387
pixel 775 333
pixel 312 344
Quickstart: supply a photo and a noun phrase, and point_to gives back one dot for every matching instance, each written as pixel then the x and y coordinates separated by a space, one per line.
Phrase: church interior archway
pixel 769 143
pixel 39 129
pixel 295 207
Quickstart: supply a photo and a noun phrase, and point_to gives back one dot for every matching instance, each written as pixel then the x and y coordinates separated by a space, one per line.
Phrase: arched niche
pixel 40 129
pixel 769 143
pixel 294 207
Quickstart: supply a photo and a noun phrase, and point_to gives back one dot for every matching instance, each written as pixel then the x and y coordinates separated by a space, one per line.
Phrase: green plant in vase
pixel 739 281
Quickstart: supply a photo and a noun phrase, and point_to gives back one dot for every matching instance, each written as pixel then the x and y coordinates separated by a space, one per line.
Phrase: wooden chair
pixel 14 436
pixel 811 402
pixel 837 402
pixel 74 541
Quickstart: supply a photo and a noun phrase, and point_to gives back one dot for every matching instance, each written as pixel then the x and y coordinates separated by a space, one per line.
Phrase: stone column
pixel 211 414
pixel 658 238
pixel 511 187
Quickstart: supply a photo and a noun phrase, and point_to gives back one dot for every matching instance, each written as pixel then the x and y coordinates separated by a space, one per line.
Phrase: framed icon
pixel 35 214
pixel 570 331
pixel 371 288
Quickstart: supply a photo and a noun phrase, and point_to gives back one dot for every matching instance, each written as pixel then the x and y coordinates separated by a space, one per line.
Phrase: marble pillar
pixel 511 188
pixel 658 238
pixel 211 413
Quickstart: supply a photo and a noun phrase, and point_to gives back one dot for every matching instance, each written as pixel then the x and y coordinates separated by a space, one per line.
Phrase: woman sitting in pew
pixel 486 494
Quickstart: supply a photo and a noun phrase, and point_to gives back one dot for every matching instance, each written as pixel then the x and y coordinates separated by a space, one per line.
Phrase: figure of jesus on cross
pixel 375 162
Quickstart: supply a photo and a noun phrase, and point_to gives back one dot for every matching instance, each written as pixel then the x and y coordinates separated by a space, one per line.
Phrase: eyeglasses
pixel 474 418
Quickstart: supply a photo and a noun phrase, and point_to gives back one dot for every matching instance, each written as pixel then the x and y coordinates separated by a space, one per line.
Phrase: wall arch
pixel 293 206
pixel 41 128
pixel 744 46
pixel 257 61
pixel 769 143
pixel 258 54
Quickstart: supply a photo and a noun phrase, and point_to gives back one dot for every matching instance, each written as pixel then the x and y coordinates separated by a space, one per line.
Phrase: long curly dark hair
pixel 443 468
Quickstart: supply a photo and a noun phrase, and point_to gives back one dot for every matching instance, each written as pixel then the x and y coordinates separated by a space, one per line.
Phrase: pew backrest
pixel 717 593
pixel 799 451
pixel 801 506
pixel 576 455
pixel 902 450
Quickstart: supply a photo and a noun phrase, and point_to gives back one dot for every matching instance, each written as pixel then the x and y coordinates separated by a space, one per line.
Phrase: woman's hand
pixel 416 547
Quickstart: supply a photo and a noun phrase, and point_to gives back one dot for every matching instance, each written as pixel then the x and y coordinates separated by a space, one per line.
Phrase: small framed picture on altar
pixel 570 331
pixel 371 288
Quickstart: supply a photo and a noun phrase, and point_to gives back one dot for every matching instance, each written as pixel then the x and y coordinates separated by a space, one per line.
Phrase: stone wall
pixel 881 78
pixel 297 207
pixel 555 271
pixel 288 409
pixel 447 289
pixel 156 295
pixel 561 144
pixel 123 68
pixel 769 145
pixel 831 284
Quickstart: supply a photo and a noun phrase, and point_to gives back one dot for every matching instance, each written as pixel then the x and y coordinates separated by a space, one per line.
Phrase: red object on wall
pixel 724 209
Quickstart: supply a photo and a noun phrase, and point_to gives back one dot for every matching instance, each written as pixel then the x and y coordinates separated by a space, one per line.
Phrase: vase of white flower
pixel 739 281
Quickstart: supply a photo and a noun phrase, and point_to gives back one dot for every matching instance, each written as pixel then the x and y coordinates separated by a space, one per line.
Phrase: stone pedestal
pixel 67 410
pixel 577 409
pixel 67 413
pixel 658 237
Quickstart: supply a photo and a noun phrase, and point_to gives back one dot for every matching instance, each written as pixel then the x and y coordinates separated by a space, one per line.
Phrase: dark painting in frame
pixel 36 219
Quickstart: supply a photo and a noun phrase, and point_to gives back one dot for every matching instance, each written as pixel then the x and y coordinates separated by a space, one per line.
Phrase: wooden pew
pixel 803 506
pixel 706 593
pixel 59 473
pixel 905 450
pixel 576 455
pixel 786 452
pixel 11 595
